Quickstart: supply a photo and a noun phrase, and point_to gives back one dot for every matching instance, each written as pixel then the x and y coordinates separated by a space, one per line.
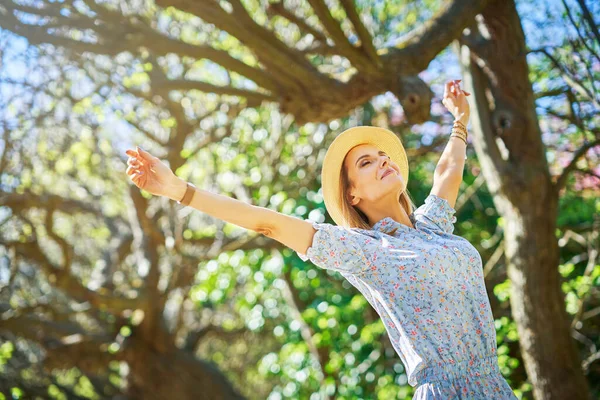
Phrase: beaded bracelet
pixel 460 130
pixel 459 134
pixel 461 138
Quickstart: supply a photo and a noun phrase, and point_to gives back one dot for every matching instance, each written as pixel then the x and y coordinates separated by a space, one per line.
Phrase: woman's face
pixel 366 166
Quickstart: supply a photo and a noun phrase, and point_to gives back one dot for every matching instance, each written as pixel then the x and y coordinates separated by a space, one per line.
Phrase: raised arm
pixel 449 170
pixel 293 232
pixel 328 246
pixel 154 176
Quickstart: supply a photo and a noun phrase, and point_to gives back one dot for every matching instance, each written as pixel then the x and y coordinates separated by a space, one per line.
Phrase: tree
pixel 301 73
pixel 509 145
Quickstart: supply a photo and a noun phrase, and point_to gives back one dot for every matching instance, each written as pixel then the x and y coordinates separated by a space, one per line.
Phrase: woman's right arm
pixel 326 245
pixel 293 232
pixel 151 174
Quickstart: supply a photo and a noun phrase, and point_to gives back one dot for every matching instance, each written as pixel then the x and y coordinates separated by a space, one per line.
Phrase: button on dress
pixel 427 286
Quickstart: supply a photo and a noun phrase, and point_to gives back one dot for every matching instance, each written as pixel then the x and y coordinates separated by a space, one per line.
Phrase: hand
pixel 455 100
pixel 149 173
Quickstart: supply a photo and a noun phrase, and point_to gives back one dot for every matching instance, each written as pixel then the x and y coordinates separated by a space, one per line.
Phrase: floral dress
pixel 427 286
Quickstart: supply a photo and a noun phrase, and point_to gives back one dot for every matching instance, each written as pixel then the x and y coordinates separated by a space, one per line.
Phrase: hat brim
pixel 381 138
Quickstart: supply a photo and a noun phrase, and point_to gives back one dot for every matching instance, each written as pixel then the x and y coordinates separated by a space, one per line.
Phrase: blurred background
pixel 109 292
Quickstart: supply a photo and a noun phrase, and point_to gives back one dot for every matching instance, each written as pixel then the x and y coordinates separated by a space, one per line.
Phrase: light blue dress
pixel 427 286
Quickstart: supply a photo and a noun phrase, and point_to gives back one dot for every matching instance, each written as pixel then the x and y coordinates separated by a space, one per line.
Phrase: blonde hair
pixel 355 218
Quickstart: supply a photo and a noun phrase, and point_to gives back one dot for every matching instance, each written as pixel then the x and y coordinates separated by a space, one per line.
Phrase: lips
pixel 386 173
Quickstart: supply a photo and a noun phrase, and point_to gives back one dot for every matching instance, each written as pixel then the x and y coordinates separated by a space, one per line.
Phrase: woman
pixel 425 283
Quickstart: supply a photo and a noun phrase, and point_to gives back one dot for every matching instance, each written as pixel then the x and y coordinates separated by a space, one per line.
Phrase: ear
pixel 352 199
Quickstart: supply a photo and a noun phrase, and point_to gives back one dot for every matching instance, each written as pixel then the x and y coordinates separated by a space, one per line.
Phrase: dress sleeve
pixel 437 214
pixel 340 249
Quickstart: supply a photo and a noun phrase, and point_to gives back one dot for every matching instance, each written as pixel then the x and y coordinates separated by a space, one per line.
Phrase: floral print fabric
pixel 427 286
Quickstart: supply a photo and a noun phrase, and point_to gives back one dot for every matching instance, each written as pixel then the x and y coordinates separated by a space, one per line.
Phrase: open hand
pixel 148 172
pixel 455 100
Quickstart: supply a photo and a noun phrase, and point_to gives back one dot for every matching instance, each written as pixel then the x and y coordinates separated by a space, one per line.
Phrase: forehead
pixel 360 150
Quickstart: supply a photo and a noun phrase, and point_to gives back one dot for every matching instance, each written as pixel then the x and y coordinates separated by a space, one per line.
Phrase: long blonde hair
pixel 355 218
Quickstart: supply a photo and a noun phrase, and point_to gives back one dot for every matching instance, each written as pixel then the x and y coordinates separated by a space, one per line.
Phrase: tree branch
pixel 183 84
pixel 332 26
pixel 279 9
pixel 69 284
pixel 560 182
pixel 366 40
pixel 422 44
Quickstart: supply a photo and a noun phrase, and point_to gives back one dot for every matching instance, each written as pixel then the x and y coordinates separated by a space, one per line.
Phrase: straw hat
pixel 382 138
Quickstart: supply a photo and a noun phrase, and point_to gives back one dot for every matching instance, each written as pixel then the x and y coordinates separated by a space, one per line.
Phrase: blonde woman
pixel 425 283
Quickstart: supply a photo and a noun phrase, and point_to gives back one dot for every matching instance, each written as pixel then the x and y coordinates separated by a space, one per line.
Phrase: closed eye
pixel 367 162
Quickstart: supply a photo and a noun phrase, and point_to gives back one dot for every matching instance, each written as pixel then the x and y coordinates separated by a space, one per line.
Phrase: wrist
pixel 464 119
pixel 176 189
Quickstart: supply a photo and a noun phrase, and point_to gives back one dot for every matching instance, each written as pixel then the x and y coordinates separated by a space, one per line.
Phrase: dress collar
pixel 388 224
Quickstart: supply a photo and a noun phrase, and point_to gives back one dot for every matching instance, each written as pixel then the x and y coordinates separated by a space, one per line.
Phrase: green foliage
pixel 6 351
pixel 285 308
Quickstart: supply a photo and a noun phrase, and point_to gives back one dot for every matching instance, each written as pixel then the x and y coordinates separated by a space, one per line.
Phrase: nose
pixel 385 162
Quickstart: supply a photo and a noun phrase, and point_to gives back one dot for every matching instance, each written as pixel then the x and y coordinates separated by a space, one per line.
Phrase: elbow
pixel 265 229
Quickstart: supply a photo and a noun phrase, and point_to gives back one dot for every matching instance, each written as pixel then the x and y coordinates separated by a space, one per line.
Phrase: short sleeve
pixel 340 249
pixel 437 214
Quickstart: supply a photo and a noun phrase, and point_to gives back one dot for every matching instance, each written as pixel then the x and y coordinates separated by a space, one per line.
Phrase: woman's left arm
pixel 448 173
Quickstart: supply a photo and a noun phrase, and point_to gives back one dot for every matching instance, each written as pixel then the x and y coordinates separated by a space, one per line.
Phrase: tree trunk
pixel 174 374
pixel 507 139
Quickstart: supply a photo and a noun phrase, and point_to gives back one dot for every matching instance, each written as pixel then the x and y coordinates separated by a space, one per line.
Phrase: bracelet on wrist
pixel 457 131
pixel 459 138
pixel 190 189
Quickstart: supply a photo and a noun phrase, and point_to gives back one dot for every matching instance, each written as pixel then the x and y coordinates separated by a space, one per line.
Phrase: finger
pixel 131 170
pixel 144 154
pixel 141 179
pixel 136 179
pixel 135 162
pixel 447 88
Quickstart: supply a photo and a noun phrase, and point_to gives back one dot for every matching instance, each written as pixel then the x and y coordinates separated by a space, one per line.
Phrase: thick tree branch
pixel 285 72
pixel 366 40
pixel 332 26
pixel 422 44
pixel 66 282
pixel 279 9
pixel 183 84
pixel 111 43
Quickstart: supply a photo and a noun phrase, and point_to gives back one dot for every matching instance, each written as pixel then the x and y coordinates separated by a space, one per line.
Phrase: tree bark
pixel 188 377
pixel 507 139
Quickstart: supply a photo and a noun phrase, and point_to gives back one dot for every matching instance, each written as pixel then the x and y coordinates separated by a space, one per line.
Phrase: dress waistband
pixel 449 371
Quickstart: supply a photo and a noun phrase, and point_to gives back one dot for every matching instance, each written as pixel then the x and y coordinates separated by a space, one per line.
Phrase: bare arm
pixel 448 173
pixel 292 232
pixel 449 170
